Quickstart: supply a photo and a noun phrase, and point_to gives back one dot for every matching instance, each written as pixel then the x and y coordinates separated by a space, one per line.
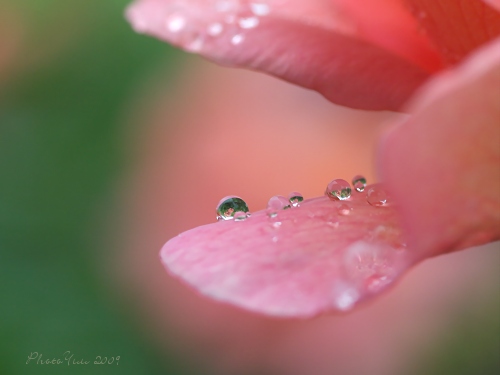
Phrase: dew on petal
pixel 215 29
pixel 344 210
pixel 260 9
pixel 175 22
pixel 248 22
pixel 278 202
pixel 338 189
pixel 295 198
pixel 359 183
pixel 376 195
pixel 237 39
pixel 230 205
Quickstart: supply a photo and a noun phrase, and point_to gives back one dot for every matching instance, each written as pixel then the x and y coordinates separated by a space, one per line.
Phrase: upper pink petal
pixel 321 45
pixel 442 164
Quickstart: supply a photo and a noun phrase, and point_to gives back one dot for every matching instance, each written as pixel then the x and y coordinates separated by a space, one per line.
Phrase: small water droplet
pixel 347 299
pixel 248 22
pixel 278 202
pixel 295 198
pixel 215 29
pixel 344 210
pixel 275 239
pixel 230 205
pixel 359 183
pixel 272 214
pixel 260 9
pixel 376 195
pixel 240 216
pixel 175 22
pixel 338 189
pixel 277 224
pixel 237 39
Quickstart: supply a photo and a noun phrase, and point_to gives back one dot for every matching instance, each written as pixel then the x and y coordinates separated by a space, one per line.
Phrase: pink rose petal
pixel 315 44
pixel 442 164
pixel 314 258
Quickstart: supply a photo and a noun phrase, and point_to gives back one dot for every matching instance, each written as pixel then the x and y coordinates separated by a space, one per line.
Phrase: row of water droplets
pixel 233 207
pixel 194 25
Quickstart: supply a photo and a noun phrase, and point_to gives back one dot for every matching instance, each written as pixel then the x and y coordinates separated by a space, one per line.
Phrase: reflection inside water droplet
pixel 359 183
pixel 338 189
pixel 295 198
pixel 230 205
pixel 240 216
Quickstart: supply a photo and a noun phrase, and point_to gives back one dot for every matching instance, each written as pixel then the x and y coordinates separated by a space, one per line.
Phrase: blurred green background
pixel 61 152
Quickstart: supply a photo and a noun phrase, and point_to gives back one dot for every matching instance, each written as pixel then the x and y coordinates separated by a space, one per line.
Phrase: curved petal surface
pixel 322 256
pixel 442 164
pixel 315 44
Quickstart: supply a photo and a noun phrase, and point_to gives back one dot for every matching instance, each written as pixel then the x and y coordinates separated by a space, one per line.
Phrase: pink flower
pixel 440 165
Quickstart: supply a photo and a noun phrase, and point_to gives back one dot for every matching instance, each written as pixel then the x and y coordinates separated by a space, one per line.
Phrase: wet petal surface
pixel 326 255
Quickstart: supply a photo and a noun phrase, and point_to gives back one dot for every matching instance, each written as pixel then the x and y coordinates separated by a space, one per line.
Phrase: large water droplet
pixel 376 195
pixel 338 189
pixel 359 183
pixel 230 205
pixel 295 198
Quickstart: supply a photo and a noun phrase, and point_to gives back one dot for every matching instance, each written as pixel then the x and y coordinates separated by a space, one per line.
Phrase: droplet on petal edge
pixel 199 26
pixel 359 183
pixel 295 198
pixel 312 260
pixel 377 196
pixel 338 189
pixel 229 206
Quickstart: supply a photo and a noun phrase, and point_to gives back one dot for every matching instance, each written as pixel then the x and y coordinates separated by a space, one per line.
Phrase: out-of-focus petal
pixel 442 164
pixel 321 256
pixel 457 27
pixel 493 3
pixel 315 44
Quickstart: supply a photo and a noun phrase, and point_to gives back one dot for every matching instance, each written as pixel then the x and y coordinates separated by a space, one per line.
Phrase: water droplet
pixel 278 202
pixel 237 39
pixel 347 299
pixel 272 214
pixel 215 29
pixel 230 205
pixel 275 239
pixel 195 43
pixel 359 183
pixel 248 22
pixel 260 9
pixel 240 216
pixel 277 224
pixel 295 198
pixel 344 210
pixel 175 22
pixel 338 189
pixel 376 195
